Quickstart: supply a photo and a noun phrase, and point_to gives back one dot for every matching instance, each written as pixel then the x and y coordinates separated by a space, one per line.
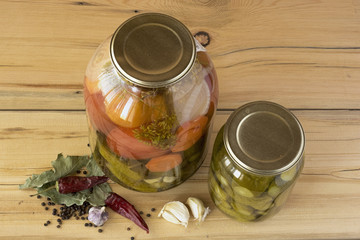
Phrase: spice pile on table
pixel 80 195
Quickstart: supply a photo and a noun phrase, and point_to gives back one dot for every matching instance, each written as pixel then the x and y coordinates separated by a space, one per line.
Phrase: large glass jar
pixel 257 158
pixel 151 94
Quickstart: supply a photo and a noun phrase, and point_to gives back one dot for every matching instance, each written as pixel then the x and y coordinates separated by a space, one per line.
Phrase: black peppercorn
pixel 82 218
pixel 90 224
pixel 45 224
pixel 86 224
pixel 132 238
pixel 84 172
pixel 38 196
pixel 43 204
pixel 54 211
pixel 58 226
pixel 48 199
pixel 128 229
pixel 46 208
pixel 100 230
pixel 148 215
pixel 48 222
pixel 153 209
pixel 78 171
pixel 141 212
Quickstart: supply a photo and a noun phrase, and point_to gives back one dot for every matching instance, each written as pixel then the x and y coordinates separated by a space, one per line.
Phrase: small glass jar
pixel 257 158
pixel 151 94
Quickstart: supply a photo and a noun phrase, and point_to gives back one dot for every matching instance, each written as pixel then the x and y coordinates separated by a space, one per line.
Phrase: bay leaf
pixel 93 168
pixel 68 199
pixel 95 198
pixel 99 194
pixel 63 166
pixel 45 182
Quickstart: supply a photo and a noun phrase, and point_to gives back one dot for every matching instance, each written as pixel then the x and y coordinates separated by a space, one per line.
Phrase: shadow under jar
pixel 257 158
pixel 151 95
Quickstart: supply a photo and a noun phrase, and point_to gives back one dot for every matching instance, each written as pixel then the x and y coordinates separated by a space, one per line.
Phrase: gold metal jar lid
pixel 264 138
pixel 152 50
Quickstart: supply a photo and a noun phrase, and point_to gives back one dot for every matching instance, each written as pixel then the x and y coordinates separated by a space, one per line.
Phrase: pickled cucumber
pixel 289 175
pixel 256 184
pixel 222 180
pixel 119 166
pixel 242 209
pixel 279 181
pixel 121 171
pixel 281 199
pixel 242 191
pixel 218 191
pixel 274 190
pixel 260 203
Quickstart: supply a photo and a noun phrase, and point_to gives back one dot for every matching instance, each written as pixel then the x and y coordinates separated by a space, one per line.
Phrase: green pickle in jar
pixel 257 158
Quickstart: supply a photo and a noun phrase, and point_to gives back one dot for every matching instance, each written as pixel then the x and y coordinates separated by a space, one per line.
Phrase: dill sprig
pixel 159 133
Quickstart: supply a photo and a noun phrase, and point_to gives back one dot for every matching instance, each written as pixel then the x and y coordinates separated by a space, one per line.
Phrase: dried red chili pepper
pixel 124 208
pixel 76 184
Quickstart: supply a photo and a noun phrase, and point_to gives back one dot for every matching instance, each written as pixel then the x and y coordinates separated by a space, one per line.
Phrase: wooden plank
pixel 324 204
pixel 301 54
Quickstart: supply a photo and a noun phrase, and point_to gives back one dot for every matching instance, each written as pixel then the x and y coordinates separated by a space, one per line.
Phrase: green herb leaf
pixel 96 198
pixel 68 199
pixel 63 166
pixel 44 183
pixel 99 194
pixel 93 169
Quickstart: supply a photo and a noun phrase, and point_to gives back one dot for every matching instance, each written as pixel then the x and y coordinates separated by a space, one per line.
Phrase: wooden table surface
pixel 304 55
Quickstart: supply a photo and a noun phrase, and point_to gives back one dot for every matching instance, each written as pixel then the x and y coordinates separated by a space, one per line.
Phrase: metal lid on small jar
pixel 264 138
pixel 152 50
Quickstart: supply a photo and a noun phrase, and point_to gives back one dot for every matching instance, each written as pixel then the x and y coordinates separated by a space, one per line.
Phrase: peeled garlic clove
pixel 175 212
pixel 197 208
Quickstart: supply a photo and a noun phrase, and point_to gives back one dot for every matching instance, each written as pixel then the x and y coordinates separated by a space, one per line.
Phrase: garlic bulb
pixel 98 216
pixel 197 208
pixel 175 212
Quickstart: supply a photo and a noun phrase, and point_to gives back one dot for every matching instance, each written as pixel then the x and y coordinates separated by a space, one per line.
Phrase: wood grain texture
pixel 301 54
pixel 326 195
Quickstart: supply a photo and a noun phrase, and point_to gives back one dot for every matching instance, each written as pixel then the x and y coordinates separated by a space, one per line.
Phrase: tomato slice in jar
pixel 130 110
pixel 96 110
pixel 123 142
pixel 189 133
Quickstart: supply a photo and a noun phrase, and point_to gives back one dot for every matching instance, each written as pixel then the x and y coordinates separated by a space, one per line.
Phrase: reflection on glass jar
pixel 150 96
pixel 257 158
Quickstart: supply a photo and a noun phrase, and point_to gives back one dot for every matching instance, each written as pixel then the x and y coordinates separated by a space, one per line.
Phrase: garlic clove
pixel 197 208
pixel 175 212
pixel 169 179
pixel 170 217
pixel 98 215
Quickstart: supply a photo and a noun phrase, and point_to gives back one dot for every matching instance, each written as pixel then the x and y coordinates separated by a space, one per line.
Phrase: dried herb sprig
pixel 159 133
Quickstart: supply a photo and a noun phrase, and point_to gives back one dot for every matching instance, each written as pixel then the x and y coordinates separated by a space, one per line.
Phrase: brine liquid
pixel 150 140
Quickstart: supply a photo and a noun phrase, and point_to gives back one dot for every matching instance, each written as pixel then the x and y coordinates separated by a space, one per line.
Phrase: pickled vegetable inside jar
pixel 151 94
pixel 257 158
